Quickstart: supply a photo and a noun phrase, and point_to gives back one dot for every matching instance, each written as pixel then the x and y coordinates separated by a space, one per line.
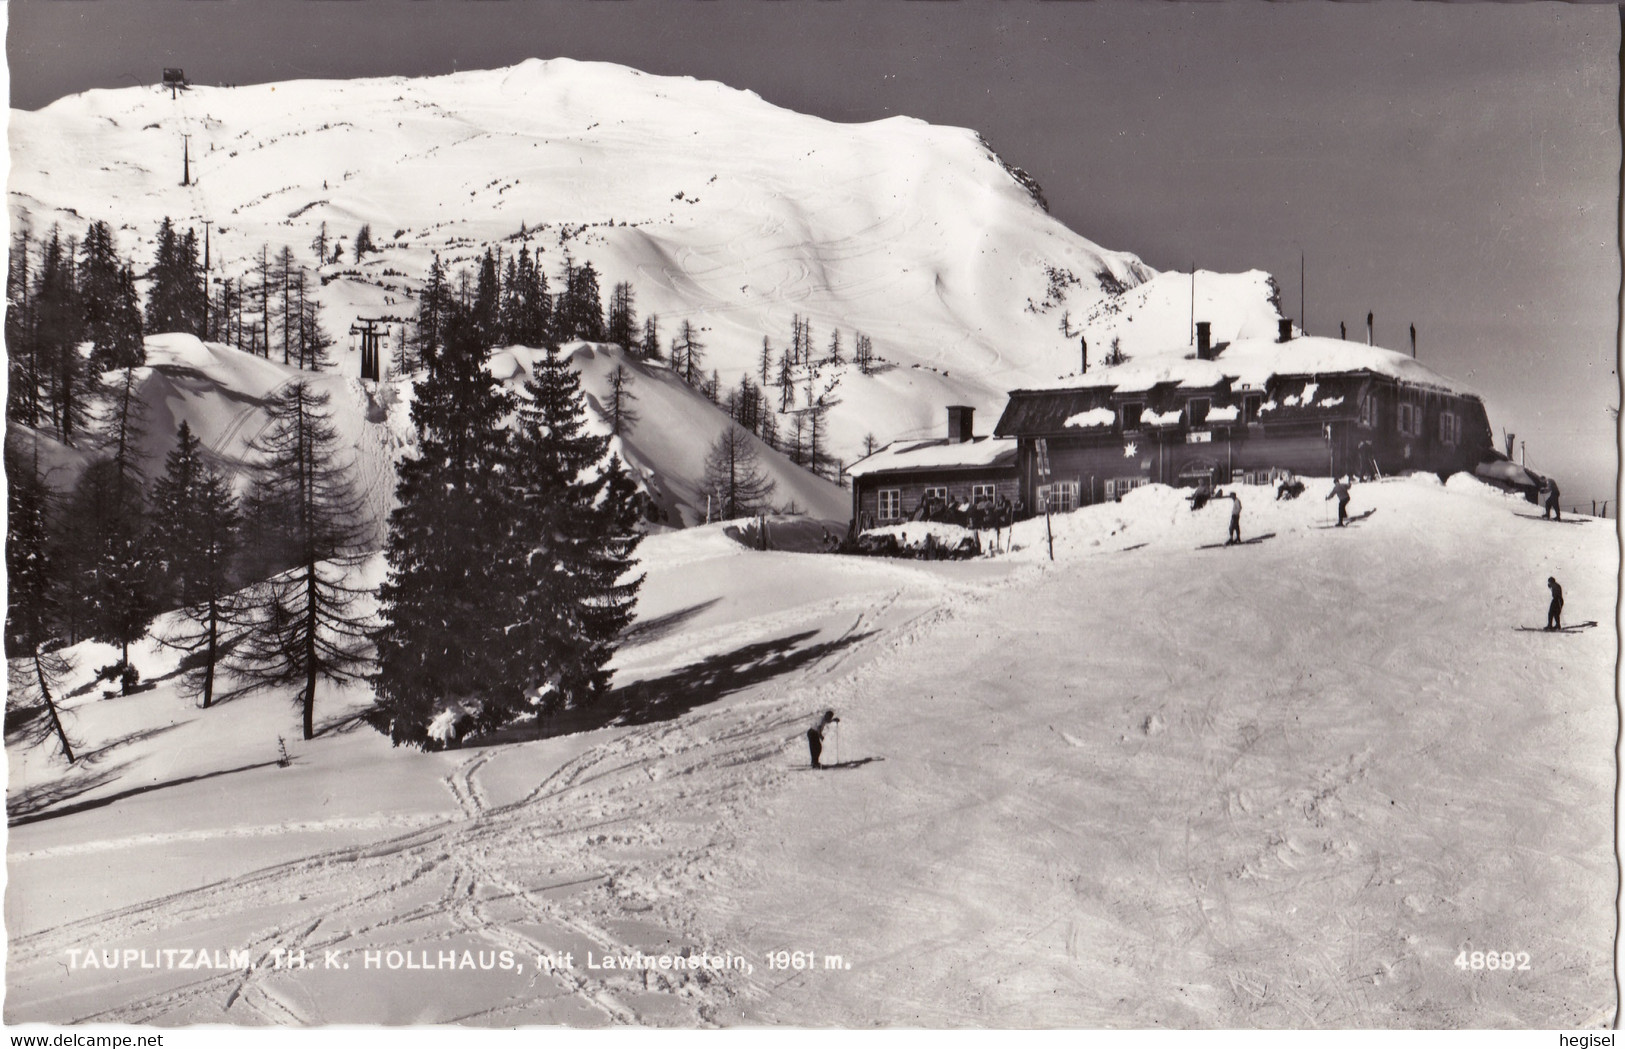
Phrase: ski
pixel 1572 629
pixel 1245 542
pixel 1553 520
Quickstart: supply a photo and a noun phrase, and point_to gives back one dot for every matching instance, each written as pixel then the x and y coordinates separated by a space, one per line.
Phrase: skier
pixel 815 736
pixel 1554 615
pixel 1235 519
pixel 1341 489
pixel 1551 500
pixel 1289 488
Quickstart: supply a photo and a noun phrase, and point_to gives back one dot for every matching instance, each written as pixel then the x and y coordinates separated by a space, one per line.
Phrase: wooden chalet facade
pixel 1247 411
pixel 907 479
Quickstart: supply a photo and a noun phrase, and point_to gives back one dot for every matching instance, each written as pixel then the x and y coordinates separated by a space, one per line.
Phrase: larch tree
pixel 621 327
pixel 36 667
pixel 621 412
pixel 307 623
pixel 734 478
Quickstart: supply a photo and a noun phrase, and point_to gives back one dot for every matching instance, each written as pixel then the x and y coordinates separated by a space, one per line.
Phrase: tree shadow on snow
pixel 665 698
pixel 38 815
pixel 646 630
pixel 23 806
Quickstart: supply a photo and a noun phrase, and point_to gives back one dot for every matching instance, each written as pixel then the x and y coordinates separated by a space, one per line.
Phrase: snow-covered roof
pixel 1251 363
pixel 938 454
pixel 1092 417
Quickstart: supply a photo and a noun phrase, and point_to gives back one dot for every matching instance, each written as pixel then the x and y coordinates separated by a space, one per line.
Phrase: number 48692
pixel 1493 960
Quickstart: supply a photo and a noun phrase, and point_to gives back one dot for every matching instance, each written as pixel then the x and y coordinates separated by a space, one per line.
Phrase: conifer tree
pixel 307 626
pixel 24 370
pixel 571 547
pixel 35 669
pixel 118 580
pixel 58 330
pixel 112 314
pixel 363 241
pixel 687 354
pixel 770 429
pixel 441 641
pixel 621 412
pixel 835 357
pixel 195 537
pixel 434 300
pixel 764 365
pixel 651 337
pixel 311 339
pixel 733 475
pixel 487 311
pixel 864 354
pixel 787 390
pixel 622 324
pixel 287 317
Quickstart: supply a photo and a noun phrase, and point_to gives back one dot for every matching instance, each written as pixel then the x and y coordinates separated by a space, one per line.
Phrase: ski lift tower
pixel 175 80
pixel 371 335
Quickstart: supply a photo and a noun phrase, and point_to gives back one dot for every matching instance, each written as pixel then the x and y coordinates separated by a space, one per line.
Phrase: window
pixel 1058 497
pixel 1249 406
pixel 1131 415
pixel 1410 420
pixel 939 493
pixel 1117 487
pixel 1196 409
pixel 1449 428
pixel 891 504
pixel 981 493
pixel 1368 412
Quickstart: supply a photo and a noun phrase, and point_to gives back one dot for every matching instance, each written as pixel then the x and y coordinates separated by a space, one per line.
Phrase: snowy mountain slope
pixel 221 392
pixel 1146 784
pixel 720 208
pixel 665 446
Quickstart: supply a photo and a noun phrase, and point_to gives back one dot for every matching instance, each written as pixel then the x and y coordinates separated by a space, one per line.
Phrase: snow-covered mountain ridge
pixel 718 207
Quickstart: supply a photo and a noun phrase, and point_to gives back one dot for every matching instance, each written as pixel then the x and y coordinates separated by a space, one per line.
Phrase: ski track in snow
pixel 1162 840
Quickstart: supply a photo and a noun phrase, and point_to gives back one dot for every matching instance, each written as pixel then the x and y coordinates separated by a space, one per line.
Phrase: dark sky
pixel 1452 166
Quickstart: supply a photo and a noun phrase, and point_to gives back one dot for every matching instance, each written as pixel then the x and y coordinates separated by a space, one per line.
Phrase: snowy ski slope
pixel 1280 785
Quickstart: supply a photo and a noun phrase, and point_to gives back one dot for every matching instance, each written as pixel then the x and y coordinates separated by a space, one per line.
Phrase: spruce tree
pixel 24 369
pixel 571 546
pixel 487 315
pixel 433 301
pixel 112 318
pixel 307 623
pixel 58 330
pixel 441 643
pixel 118 581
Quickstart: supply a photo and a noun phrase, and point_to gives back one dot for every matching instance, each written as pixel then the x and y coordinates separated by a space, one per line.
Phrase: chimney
pixel 1204 340
pixel 959 423
pixel 1286 330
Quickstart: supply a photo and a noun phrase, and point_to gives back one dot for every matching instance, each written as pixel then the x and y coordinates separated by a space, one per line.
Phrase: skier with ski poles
pixel 815 736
